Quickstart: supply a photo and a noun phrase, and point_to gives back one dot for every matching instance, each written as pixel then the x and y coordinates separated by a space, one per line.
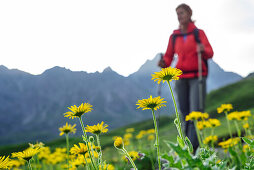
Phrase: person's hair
pixel 186 8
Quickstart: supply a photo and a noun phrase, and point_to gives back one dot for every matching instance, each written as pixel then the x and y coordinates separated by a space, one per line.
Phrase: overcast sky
pixel 90 35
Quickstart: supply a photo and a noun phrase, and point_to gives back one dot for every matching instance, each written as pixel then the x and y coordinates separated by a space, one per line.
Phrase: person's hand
pixel 200 48
pixel 162 63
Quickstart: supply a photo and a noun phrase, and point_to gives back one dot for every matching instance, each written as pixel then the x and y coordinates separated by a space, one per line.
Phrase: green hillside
pixel 240 95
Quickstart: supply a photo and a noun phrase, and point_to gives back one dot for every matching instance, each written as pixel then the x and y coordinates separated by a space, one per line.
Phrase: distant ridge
pixel 32 106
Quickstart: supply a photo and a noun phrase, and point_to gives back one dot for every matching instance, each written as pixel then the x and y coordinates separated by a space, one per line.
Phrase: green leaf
pixel 235 157
pixel 189 145
pixel 249 142
pixel 180 141
pixel 171 162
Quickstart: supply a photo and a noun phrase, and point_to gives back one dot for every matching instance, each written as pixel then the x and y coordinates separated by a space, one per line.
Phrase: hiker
pixel 187 42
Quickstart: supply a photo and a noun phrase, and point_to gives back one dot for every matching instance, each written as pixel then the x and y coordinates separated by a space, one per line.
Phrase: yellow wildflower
pixel 229 143
pixel 152 131
pixel 133 154
pixel 224 108
pixel 210 139
pixel 233 116
pixel 106 167
pixel 13 164
pixel 118 143
pixel 67 128
pixel 246 126
pixel 97 129
pixel 127 136
pixel 195 115
pixel 244 115
pixel 82 149
pixel 203 124
pixel 129 130
pixel 4 162
pixel 150 137
pixel 214 122
pixel 27 154
pixel 151 103
pixel 166 74
pixel 78 111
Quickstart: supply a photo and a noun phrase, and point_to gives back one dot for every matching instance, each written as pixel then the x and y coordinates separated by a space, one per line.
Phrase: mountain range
pixel 32 106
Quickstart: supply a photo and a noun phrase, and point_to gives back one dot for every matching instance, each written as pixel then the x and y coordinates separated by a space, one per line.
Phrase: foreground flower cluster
pixel 142 149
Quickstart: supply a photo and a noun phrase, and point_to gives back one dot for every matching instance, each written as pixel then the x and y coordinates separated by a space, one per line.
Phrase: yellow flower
pixel 106 167
pixel 97 129
pixel 166 74
pixel 133 154
pixel 67 128
pixel 118 143
pixel 152 131
pixel 203 124
pixel 210 139
pixel 214 122
pixel 129 130
pixel 141 134
pixel 195 115
pixel 229 143
pixel 15 163
pixel 233 116
pixel 151 103
pixel 82 149
pixel 244 115
pixel 224 108
pixel 246 126
pixel 78 111
pixel 26 154
pixel 150 137
pixel 4 162
pixel 127 136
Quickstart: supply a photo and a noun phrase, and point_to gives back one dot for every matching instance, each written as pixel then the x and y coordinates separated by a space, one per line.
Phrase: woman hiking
pixel 187 42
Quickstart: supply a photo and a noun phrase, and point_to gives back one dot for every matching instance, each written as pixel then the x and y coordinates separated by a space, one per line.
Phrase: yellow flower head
pixel 195 115
pixel 129 130
pixel 26 154
pixel 203 124
pixel 118 143
pixel 214 122
pixel 210 139
pixel 78 111
pixel 106 167
pixel 150 137
pixel 229 143
pixel 4 162
pixel 67 128
pixel 166 74
pixel 246 126
pixel 151 103
pixel 14 164
pixel 127 136
pixel 133 154
pixel 97 129
pixel 233 116
pixel 152 131
pixel 244 115
pixel 224 108
pixel 82 149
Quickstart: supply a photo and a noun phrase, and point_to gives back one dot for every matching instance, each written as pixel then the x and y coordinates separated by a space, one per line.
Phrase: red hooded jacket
pixel 186 49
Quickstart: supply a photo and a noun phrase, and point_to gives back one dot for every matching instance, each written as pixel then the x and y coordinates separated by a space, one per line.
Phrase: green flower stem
pixel 157 139
pixel 198 134
pixel 229 128
pixel 131 161
pixel 212 134
pixel 177 114
pixel 67 147
pixel 237 128
pixel 29 165
pixel 100 153
pixel 87 143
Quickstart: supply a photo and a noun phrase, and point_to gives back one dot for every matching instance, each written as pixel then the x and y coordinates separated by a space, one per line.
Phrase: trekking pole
pixel 200 82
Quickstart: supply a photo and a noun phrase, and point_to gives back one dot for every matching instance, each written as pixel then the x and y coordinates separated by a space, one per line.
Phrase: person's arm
pixel 207 51
pixel 168 57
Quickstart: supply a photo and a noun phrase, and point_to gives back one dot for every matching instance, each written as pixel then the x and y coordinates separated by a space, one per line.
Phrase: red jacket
pixel 187 52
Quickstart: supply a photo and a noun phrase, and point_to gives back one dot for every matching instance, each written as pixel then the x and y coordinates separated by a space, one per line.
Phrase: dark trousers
pixel 187 91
